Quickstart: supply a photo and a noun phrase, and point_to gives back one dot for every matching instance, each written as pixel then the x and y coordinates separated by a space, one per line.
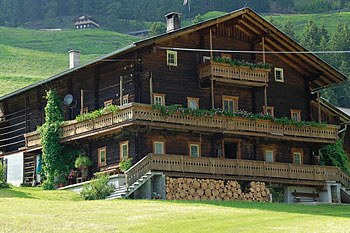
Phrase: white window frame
pixel 198 149
pixel 273 156
pixel 300 158
pixel 125 99
pixel 190 99
pixel 282 75
pixel 162 143
pixel 122 144
pixel 161 96
pixel 206 59
pixel 174 53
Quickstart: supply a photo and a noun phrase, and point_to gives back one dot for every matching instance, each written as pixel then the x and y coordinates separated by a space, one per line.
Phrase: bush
pixel 3 183
pixel 48 184
pixel 334 155
pixel 97 189
pixel 125 164
pixel 83 161
pixel 277 194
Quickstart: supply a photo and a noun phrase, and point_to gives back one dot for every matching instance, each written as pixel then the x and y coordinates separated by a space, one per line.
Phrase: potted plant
pixel 82 163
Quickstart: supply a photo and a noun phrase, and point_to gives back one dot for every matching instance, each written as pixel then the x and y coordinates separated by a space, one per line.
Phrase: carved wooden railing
pixel 233 72
pixel 145 112
pixel 234 167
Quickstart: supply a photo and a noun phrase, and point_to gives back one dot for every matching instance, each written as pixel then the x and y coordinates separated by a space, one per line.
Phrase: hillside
pixel 28 56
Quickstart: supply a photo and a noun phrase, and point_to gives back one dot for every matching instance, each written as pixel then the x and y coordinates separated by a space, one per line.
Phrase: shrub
pixel 97 189
pixel 48 184
pixel 125 164
pixel 334 155
pixel 3 183
pixel 83 161
pixel 277 194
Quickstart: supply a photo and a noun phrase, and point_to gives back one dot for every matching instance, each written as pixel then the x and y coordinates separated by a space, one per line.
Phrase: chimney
pixel 173 21
pixel 74 58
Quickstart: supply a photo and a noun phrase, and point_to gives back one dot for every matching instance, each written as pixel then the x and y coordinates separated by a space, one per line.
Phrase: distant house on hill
pixel 142 33
pixel 84 21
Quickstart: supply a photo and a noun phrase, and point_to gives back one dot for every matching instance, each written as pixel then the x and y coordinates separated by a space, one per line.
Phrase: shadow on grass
pixel 321 210
pixel 13 193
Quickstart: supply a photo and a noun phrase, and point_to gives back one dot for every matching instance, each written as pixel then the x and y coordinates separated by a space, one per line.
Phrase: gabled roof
pixel 343 113
pixel 246 20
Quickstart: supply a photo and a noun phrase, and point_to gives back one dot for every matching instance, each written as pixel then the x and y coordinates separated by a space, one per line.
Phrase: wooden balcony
pixel 142 114
pixel 223 72
pixel 260 170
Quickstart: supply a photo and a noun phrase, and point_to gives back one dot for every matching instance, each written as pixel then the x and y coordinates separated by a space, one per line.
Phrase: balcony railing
pixel 234 167
pixel 142 112
pixel 238 73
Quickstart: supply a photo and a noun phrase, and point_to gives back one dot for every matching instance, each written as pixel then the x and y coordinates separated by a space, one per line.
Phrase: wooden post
pixel 211 59
pixel 263 47
pixel 265 98
pixel 212 94
pixel 121 91
pixel 265 88
pixel 81 101
pixel 211 44
pixel 319 107
pixel 151 87
pixel 26 112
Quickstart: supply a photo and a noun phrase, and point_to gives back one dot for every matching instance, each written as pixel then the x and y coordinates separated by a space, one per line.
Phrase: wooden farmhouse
pixel 229 102
pixel 84 21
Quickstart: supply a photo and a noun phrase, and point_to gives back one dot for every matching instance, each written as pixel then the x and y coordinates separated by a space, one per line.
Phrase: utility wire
pixel 255 51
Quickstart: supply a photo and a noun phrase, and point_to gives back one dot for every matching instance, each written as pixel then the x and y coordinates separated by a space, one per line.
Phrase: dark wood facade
pixel 128 74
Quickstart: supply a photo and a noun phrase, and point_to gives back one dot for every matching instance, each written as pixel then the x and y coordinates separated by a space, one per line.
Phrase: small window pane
pixel 295 116
pixel 103 156
pixel 125 150
pixel 159 100
pixel 194 150
pixel 158 148
pixel 269 156
pixel 231 107
pixel 297 158
pixel 193 104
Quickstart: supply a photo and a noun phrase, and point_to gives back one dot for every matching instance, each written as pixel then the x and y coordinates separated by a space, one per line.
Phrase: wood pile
pixel 215 190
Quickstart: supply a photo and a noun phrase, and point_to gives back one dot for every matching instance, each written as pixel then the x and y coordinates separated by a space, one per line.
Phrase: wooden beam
pixel 81 101
pixel 151 87
pixel 211 44
pixel 276 35
pixel 319 107
pixel 212 93
pixel 263 46
pixel 121 91
pixel 286 60
pixel 239 82
pixel 243 30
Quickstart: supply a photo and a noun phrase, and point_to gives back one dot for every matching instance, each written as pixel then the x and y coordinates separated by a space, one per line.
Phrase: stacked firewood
pixel 214 190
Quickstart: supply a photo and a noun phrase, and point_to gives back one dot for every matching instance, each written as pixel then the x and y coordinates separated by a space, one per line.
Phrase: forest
pixel 15 13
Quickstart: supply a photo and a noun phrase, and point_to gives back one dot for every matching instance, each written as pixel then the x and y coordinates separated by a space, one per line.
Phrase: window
pixel 159 99
pixel 269 110
pixel 194 149
pixel 279 75
pixel 171 58
pixel 108 103
pixel 158 147
pixel 295 115
pixel 102 156
pixel 269 156
pixel 124 150
pixel 297 155
pixel 193 103
pixel 230 103
pixel 125 99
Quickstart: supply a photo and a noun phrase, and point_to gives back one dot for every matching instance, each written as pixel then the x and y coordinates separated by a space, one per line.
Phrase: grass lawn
pixel 34 210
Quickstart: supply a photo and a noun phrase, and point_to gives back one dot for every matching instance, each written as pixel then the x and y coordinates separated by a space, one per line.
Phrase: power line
pixel 256 51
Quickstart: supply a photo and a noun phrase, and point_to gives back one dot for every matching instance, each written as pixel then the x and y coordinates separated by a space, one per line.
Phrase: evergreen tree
pixel 311 38
pixel 288 28
pixel 157 28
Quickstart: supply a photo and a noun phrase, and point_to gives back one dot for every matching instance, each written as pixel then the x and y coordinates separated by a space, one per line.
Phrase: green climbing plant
pixel 57 159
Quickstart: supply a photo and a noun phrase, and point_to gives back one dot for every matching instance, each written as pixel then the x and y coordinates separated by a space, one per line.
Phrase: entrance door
pixel 230 150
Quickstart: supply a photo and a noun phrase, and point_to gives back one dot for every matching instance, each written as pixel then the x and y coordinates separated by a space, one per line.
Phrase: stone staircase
pixel 345 195
pixel 125 192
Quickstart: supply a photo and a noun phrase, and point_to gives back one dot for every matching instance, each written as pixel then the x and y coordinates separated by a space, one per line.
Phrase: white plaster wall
pixel 15 168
